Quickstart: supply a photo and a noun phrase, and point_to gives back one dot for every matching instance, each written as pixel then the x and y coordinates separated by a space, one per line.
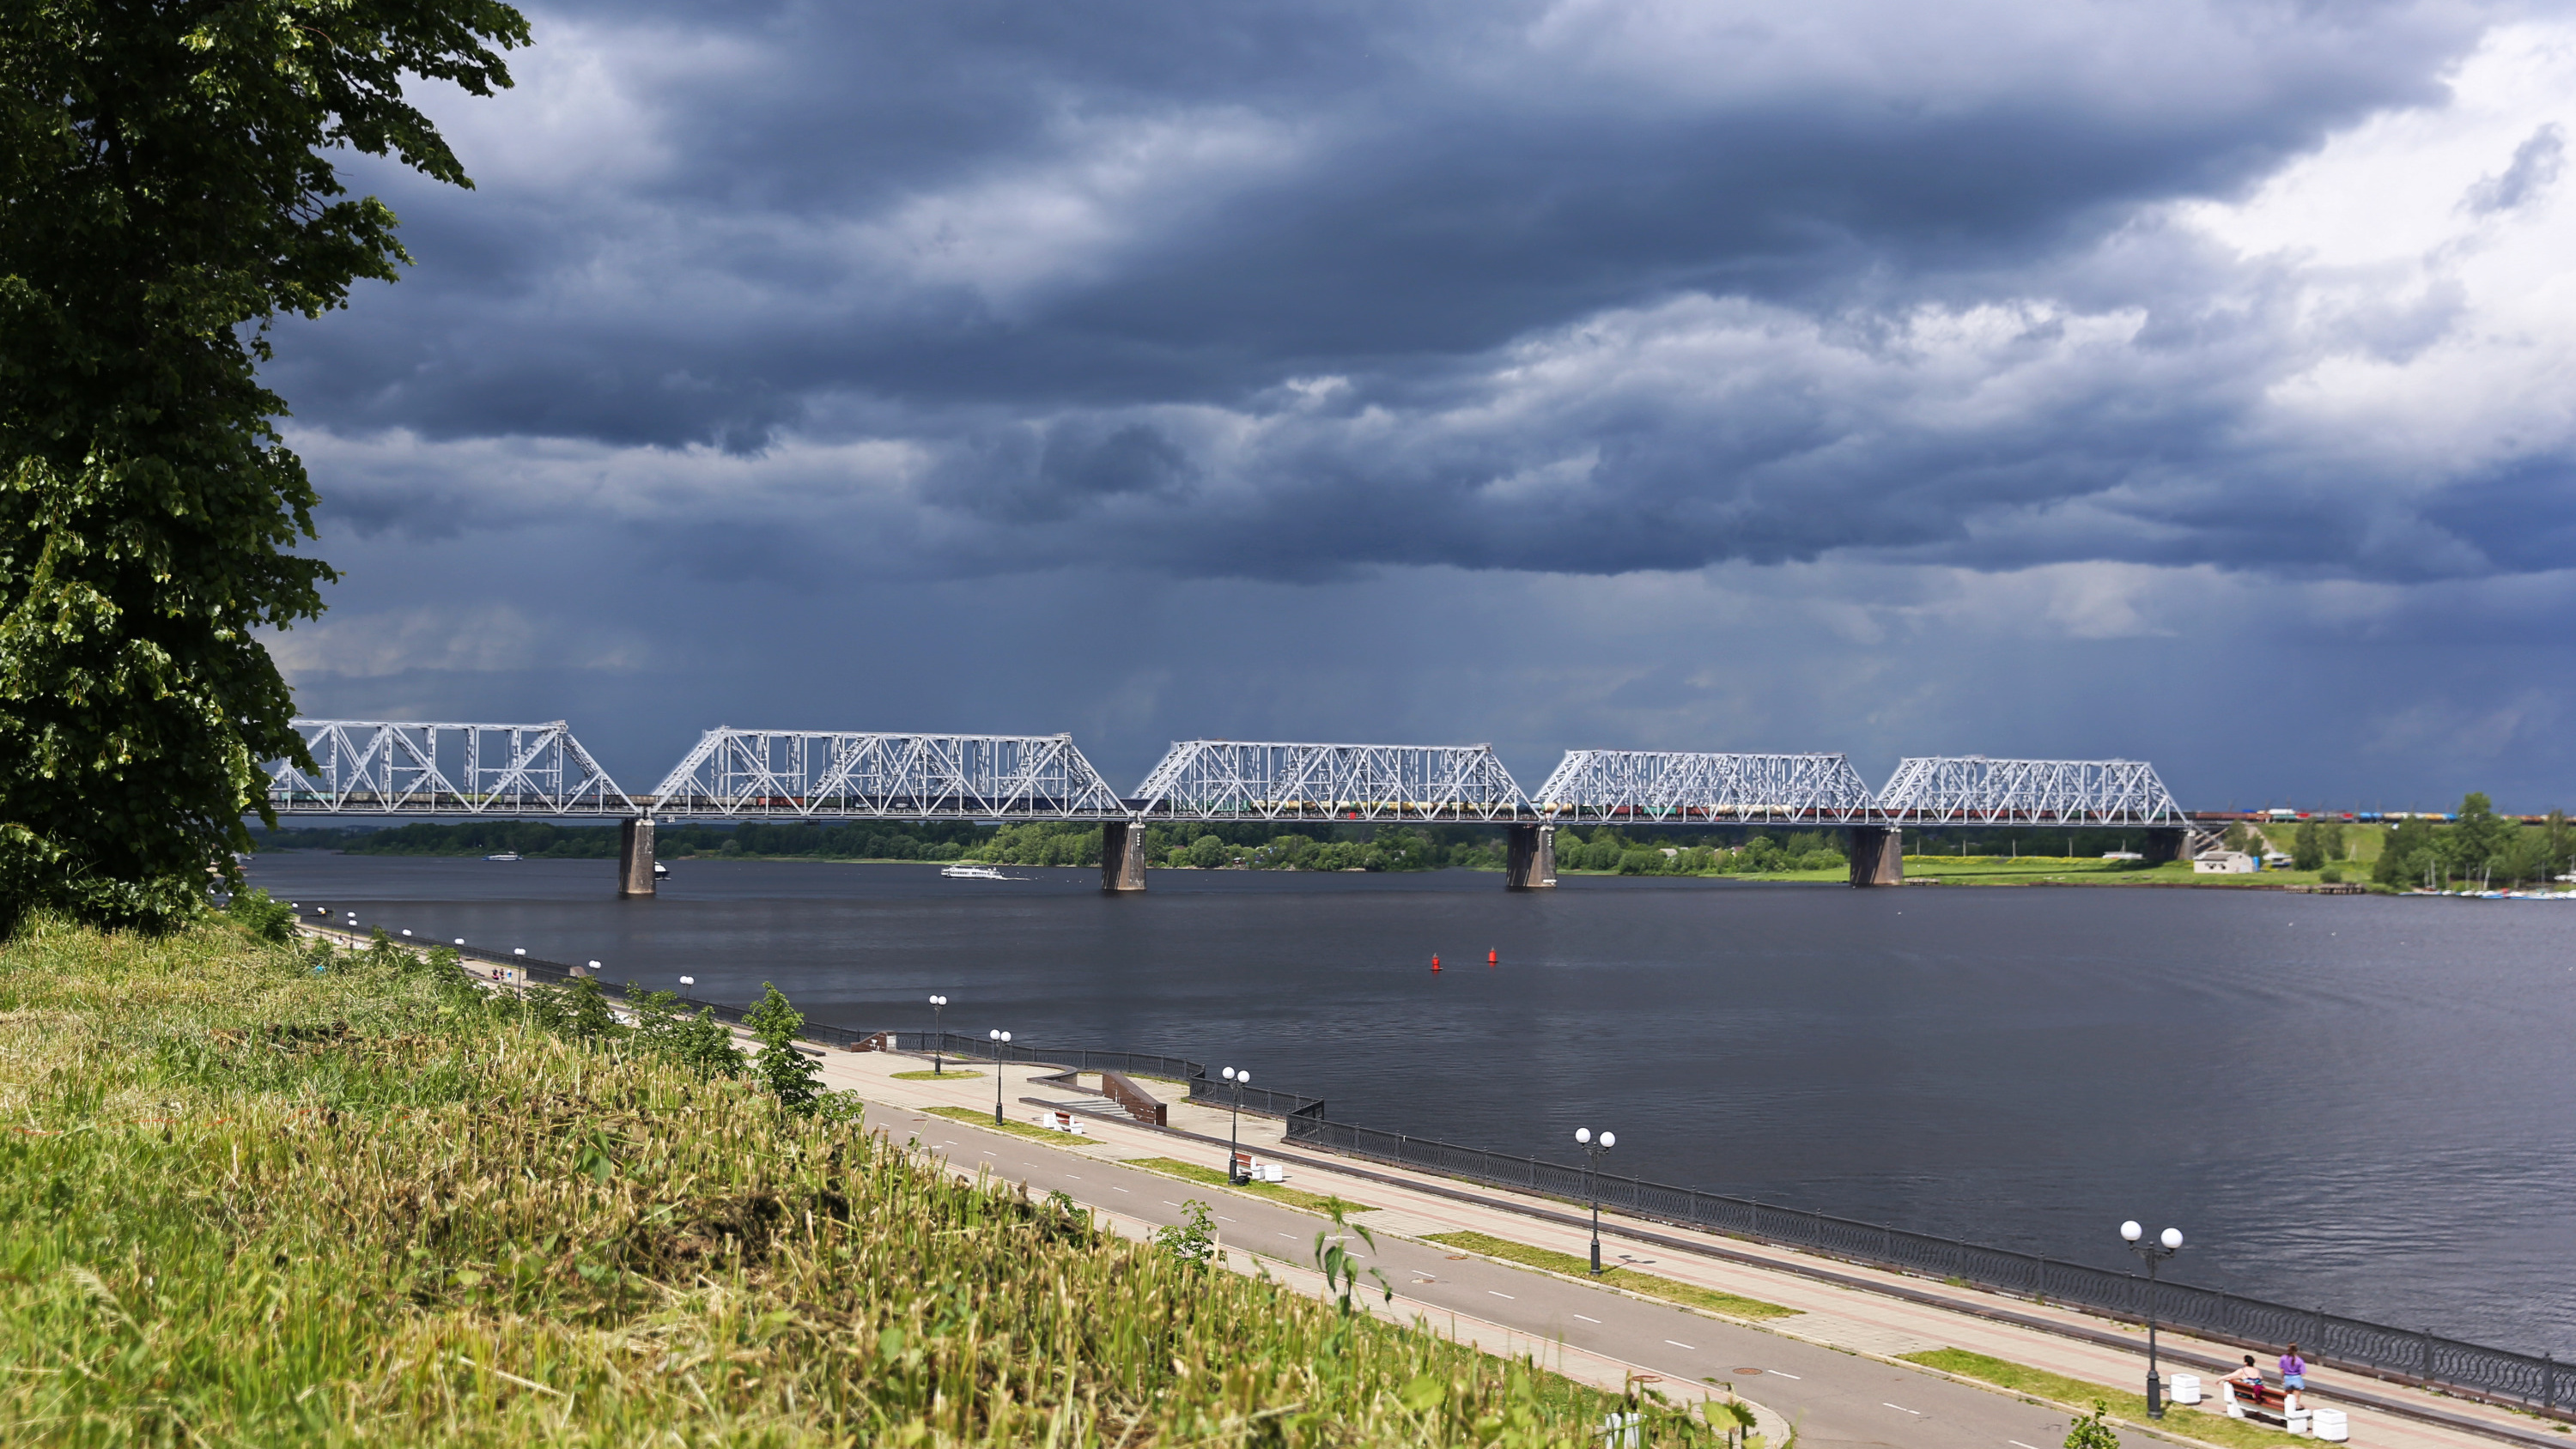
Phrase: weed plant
pixel 250 1195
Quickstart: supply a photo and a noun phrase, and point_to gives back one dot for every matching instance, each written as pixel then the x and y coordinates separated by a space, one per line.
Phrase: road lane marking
pixel 1587 1320
pixel 2017 1444
pixel 1677 1343
pixel 1785 1376
pixel 1113 1187
pixel 1220 1217
pixel 1167 1202
pixel 1499 1294
pixel 1900 1408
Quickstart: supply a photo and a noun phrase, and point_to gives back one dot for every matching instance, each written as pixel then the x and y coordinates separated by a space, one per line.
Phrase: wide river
pixel 2356 1103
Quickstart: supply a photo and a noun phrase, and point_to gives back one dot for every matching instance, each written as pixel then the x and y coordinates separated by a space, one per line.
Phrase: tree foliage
pixel 795 1078
pixel 165 193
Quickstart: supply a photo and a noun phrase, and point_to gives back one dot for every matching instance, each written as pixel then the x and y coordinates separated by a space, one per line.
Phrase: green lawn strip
pixel 957 1075
pixel 2180 1419
pixel 1689 1294
pixel 978 1117
pixel 1313 1202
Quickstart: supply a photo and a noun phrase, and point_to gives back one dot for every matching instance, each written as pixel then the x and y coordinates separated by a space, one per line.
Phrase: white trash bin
pixel 1273 1172
pixel 2186 1388
pixel 2295 1422
pixel 2329 1424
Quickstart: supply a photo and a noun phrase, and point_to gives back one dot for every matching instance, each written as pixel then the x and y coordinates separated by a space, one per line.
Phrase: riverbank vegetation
pixel 246 1201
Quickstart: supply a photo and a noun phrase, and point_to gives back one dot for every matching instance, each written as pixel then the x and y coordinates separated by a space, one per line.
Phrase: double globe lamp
pixel 2167 1243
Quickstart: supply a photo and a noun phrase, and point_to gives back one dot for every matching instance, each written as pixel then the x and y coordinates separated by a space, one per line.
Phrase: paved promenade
pixel 1833 1366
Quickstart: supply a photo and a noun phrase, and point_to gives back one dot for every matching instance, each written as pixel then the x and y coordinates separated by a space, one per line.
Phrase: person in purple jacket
pixel 2294 1377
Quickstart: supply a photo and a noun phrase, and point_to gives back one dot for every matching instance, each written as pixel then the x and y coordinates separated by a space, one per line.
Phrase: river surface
pixel 2356 1103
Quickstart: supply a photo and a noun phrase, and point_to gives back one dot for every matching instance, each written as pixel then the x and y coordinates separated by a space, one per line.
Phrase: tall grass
pixel 245 1203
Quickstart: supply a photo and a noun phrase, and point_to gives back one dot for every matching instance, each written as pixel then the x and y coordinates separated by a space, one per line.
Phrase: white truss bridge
pixel 1667 787
pixel 1974 790
pixel 813 774
pixel 1219 780
pixel 382 767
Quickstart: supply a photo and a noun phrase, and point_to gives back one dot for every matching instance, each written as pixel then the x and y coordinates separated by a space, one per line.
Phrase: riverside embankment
pixel 2349 1103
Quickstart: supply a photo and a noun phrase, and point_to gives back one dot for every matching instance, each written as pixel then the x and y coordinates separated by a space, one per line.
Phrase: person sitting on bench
pixel 2248 1377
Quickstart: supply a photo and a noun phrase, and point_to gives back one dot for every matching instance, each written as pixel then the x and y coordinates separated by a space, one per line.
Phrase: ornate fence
pixel 2408 1357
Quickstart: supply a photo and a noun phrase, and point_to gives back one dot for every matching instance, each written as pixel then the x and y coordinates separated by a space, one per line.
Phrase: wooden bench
pixel 2259 1397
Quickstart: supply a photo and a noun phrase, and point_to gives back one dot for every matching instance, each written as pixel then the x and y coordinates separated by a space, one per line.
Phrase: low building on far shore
pixel 2224 862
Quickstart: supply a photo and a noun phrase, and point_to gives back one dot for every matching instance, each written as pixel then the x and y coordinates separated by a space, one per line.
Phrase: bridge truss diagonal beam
pixel 1219 780
pixel 416 767
pixel 843 775
pixel 1659 786
pixel 1974 790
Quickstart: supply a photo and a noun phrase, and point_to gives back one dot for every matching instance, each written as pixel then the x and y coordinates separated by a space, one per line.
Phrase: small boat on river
pixel 972 872
pixel 504 855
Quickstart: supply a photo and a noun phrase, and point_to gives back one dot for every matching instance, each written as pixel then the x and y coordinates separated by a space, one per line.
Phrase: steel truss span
pixel 802 774
pixel 1973 790
pixel 1231 780
pixel 390 767
pixel 1658 786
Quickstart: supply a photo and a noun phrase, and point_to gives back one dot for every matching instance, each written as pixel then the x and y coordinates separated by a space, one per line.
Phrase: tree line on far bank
pixel 2478 847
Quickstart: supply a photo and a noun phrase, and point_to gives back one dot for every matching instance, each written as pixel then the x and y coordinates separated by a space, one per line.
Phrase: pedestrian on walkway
pixel 2294 1377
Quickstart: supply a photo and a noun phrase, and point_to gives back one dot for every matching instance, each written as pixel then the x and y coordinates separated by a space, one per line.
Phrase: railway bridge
pixel 421 769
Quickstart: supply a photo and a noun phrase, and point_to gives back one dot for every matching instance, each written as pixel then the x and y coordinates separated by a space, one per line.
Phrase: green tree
pixel 2089 1432
pixel 1207 852
pixel 164 195
pixel 2555 845
pixel 791 1075
pixel 2307 847
pixel 2409 849
pixel 2476 842
pixel 701 1043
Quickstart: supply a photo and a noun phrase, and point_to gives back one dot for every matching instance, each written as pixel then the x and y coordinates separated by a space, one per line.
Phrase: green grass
pixel 954 1076
pixel 241 1203
pixel 978 1117
pixel 1280 1192
pixel 2188 1421
pixel 1688 1294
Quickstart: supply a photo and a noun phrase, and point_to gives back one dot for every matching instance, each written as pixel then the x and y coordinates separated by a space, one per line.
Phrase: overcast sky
pixel 2019 377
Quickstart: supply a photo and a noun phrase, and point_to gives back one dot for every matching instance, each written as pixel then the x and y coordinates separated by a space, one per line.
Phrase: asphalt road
pixel 1838 1400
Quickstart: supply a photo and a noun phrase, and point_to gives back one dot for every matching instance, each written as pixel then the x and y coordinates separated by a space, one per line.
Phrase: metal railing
pixel 2422 1359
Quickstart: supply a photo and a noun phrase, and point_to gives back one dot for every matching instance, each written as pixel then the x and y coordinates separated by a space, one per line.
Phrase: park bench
pixel 2267 1403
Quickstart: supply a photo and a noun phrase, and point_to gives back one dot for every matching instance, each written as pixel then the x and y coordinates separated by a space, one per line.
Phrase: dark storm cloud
pixel 1290 291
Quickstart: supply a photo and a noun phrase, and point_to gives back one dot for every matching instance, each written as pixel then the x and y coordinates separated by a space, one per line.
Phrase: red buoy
pixel 1494 956
pixel 1435 963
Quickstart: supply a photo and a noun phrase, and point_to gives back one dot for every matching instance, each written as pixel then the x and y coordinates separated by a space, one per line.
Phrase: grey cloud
pixel 2535 165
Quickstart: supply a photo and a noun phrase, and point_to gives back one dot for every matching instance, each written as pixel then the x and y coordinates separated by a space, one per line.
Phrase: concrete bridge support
pixel 1531 865
pixel 635 858
pixel 1877 855
pixel 1122 856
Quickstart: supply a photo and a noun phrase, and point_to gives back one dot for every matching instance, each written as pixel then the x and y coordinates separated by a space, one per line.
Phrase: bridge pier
pixel 1877 855
pixel 1122 856
pixel 1531 865
pixel 635 857
pixel 2164 845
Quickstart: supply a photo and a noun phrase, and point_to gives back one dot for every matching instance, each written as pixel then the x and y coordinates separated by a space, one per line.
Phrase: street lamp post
pixel 1592 1150
pixel 1000 1040
pixel 1233 1136
pixel 2166 1245
pixel 937 1005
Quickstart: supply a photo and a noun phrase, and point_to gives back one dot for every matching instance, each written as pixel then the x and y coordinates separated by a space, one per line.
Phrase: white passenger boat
pixel 971 872
pixel 504 855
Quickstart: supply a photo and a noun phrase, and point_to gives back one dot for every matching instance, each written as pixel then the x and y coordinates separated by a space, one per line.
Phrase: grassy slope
pixel 243 1203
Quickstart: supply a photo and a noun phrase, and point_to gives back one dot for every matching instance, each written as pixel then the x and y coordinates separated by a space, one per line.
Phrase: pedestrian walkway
pixel 1879 1315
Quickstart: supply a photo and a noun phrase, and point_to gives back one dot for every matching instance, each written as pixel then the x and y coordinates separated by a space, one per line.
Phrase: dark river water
pixel 2359 1104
